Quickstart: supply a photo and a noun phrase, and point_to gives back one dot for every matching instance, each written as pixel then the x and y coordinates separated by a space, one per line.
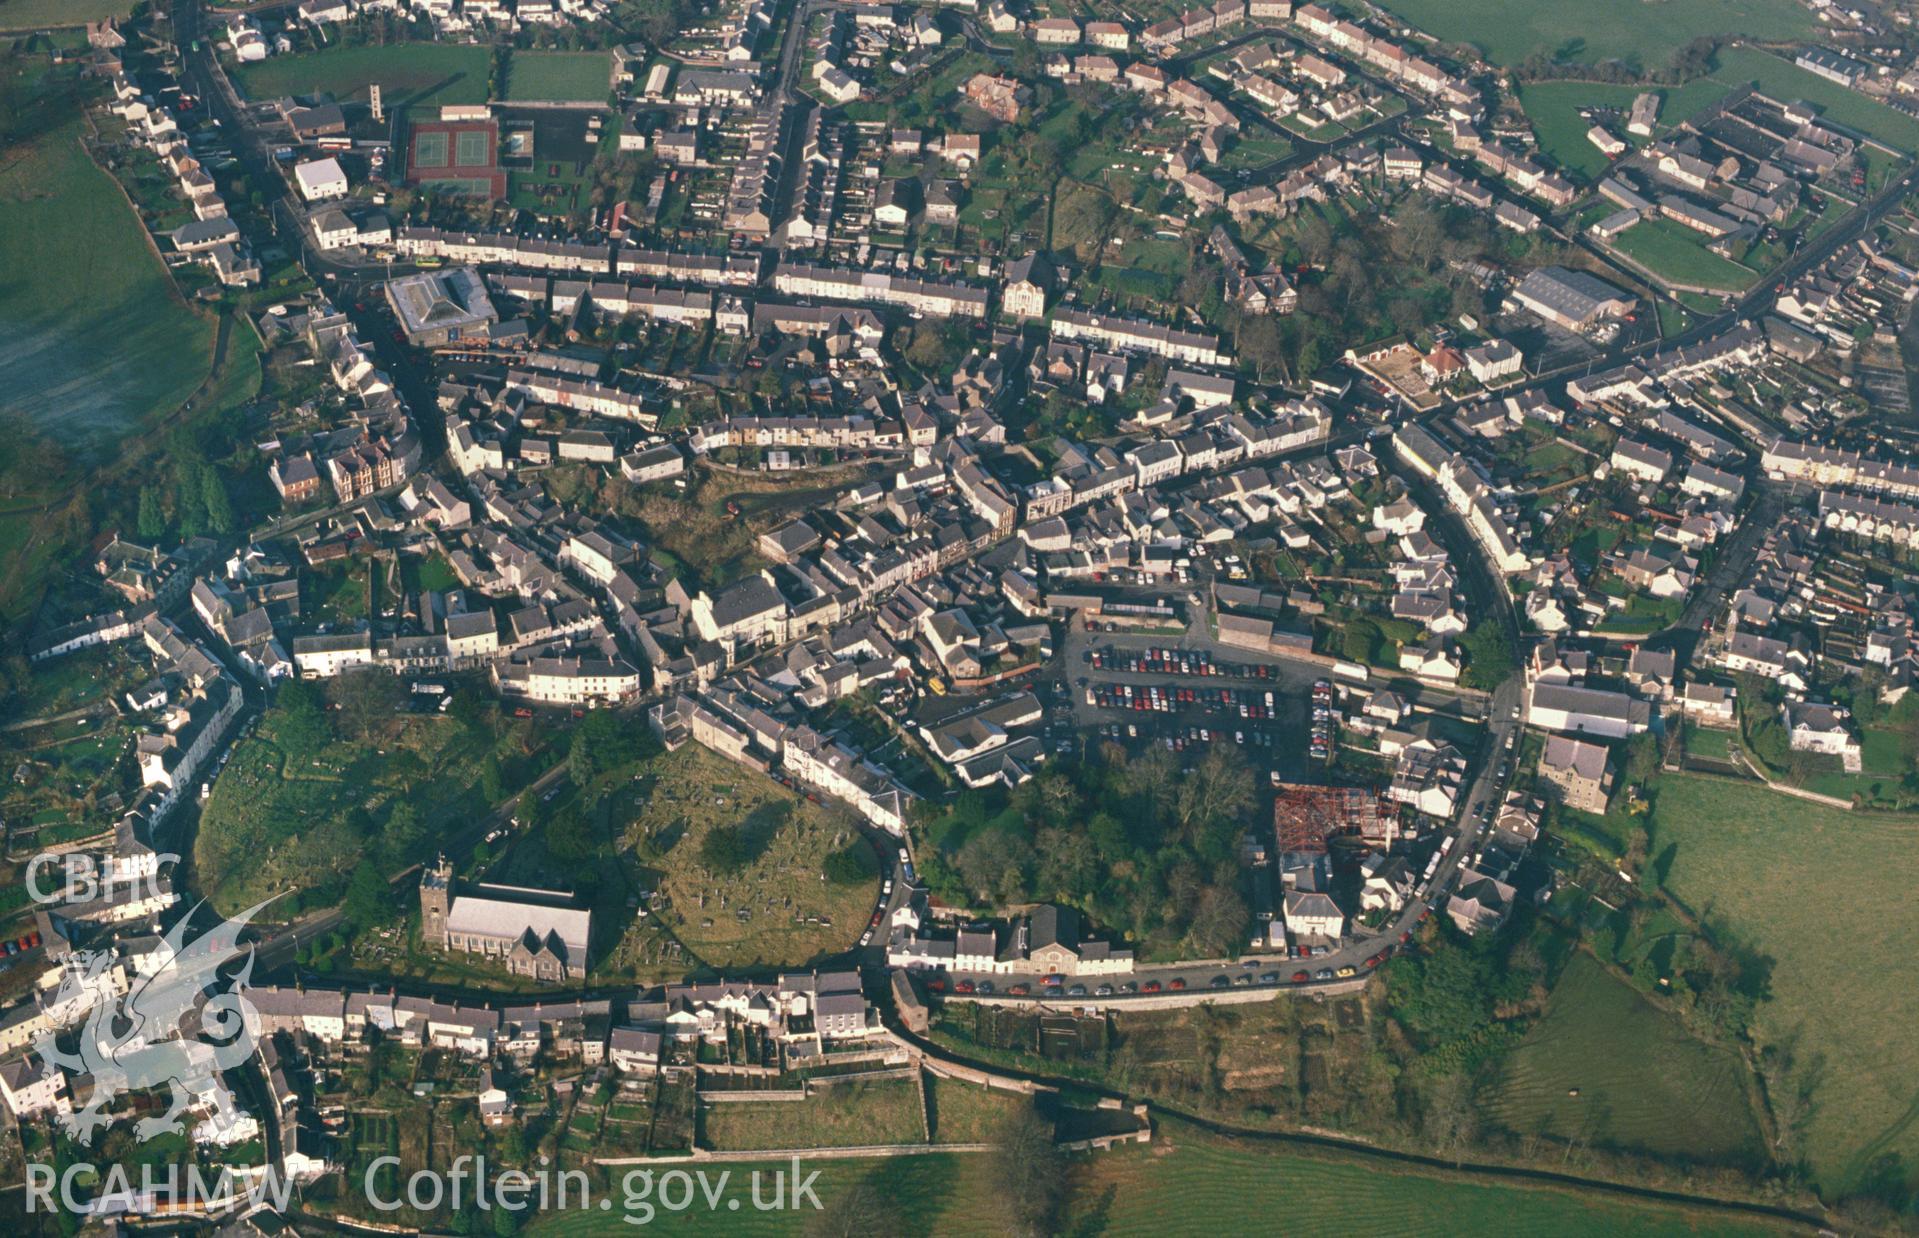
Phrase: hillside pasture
pixel 1607 1067
pixel 1764 871
pixel 1242 1187
pixel 92 355
pixel 16 15
pixel 1644 33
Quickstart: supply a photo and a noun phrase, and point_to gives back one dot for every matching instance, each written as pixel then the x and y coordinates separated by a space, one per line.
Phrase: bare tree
pixel 1031 1174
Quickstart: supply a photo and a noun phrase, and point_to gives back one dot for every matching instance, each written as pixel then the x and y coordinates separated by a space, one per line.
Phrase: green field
pixel 1768 871
pixel 46 14
pixel 1784 81
pixel 1678 254
pixel 1643 1081
pixel 558 77
pixel 409 74
pixel 1189 1182
pixel 92 353
pixel 1554 107
pixel 843 1115
pixel 968 1113
pixel 1646 34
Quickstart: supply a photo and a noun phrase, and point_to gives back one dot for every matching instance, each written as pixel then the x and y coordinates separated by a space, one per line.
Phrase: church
pixel 538 934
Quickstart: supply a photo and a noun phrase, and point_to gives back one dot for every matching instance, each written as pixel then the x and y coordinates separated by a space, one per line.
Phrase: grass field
pixel 1767 870
pixel 1646 34
pixel 558 77
pixel 46 14
pixel 1554 110
pixel 93 354
pixel 410 74
pixel 1785 81
pixel 1643 1081
pixel 1679 255
pixel 776 911
pixel 845 1115
pixel 968 1113
pixel 1189 1182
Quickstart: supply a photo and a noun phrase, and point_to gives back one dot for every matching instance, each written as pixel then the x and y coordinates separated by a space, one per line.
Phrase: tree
pixel 600 744
pixel 1069 863
pixel 366 896
pixel 724 850
pixel 1213 798
pixel 994 864
pixel 1051 798
pixel 860 1210
pixel 1030 1174
pixel 1219 922
pixel 404 833
pixel 1642 759
pixel 492 779
pixel 301 726
pixel 570 837
pixel 190 498
pixel 1307 363
pixel 852 864
pixel 368 701
pixel 1489 658
pixel 1152 781
pixel 406 767
pixel 1263 344
pixel 213 492
pixel 532 812
pixel 470 709
pixel 937 348
pixel 153 518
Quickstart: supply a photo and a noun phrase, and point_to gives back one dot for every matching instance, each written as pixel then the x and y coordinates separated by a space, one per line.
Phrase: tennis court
pixel 474 149
pixel 430 148
pixel 461 156
pixel 472 186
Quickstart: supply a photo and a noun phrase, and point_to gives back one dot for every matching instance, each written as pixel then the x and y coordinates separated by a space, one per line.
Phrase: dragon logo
pixel 169 1028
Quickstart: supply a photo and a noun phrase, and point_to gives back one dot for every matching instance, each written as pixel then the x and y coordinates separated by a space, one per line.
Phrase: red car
pixel 1151 986
pixel 1300 977
pixel 963 986
pixel 938 986
pixel 1175 984
pixel 1019 990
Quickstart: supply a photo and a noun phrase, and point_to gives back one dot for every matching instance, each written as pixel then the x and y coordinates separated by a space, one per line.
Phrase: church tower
pixel 436 894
